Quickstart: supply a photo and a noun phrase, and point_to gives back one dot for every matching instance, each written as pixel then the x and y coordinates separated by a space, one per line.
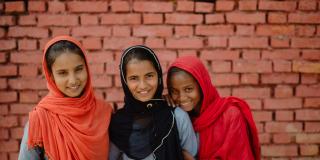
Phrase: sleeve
pixel 114 152
pixel 25 153
pixel 187 136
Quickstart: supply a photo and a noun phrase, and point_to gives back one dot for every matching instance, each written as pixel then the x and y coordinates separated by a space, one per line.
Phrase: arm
pixel 25 153
pixel 187 136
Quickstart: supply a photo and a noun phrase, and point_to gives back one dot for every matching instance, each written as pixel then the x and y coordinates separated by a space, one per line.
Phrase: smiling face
pixel 70 74
pixel 184 90
pixel 142 79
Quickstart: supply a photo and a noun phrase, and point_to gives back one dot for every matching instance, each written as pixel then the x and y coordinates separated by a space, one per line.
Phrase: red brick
pixel 113 69
pixel 304 18
pixel 217 42
pixel 36 6
pixel 8 96
pixel 251 54
pixel 2 32
pixel 181 31
pixel 283 91
pixel 185 53
pixel 308 91
pixel 4 133
pixel 6 20
pixel 152 31
pixel 58 20
pixel 155 42
pixel 56 6
pixel 248 42
pixel 100 57
pixel 308 115
pixel 88 6
pixel 121 19
pixel 262 116
pixel 119 6
pixel 87 19
pixel 114 95
pixel 185 6
pixel 309 150
pixel 220 79
pixel 251 18
pixel 250 78
pixel 28 97
pixel 27 83
pixel 57 31
pixel 308 138
pixel 7 44
pixel 14 6
pixel 203 7
pixel 20 108
pixel 250 5
pixel 96 31
pixel 245 30
pixel 3 83
pixel 8 121
pixel 277 5
pixel 224 92
pixel 161 7
pixel 280 78
pixel 184 43
pixel 183 18
pixel 264 138
pixel 282 138
pixel 92 43
pixel 305 42
pixel 121 31
pixel 279 150
pixel 220 66
pixel 9 146
pixel 246 66
pixel 4 109
pixel 251 92
pixel 27 20
pixel 225 5
pixel 280 42
pixel 311 54
pixel 27 44
pixel 283 127
pixel 209 30
pixel 284 115
pixel 97 68
pixel 121 43
pixel 309 78
pixel 214 18
pixel 220 55
pixel 16 133
pixel 281 54
pixel 306 67
pixel 8 70
pixel 26 58
pixel 166 55
pixel 152 18
pixel 102 81
pixel 33 32
pixel 307 5
pixel 312 102
pixel 259 127
pixel 277 17
pixel 305 30
pixel 283 103
pixel 275 30
pixel 312 127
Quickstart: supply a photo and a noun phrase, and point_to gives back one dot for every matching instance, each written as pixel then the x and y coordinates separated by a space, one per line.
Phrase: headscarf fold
pixel 70 128
pixel 212 108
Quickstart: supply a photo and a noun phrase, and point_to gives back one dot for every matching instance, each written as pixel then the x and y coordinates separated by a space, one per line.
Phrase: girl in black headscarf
pixel 146 127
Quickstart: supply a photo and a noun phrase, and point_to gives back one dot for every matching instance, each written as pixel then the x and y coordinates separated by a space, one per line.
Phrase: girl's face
pixel 70 74
pixel 184 90
pixel 142 79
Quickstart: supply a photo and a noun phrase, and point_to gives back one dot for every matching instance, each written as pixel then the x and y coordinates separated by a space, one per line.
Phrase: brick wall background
pixel 265 51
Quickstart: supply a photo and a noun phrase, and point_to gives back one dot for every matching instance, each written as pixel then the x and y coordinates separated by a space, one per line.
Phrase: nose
pixel 72 79
pixel 143 84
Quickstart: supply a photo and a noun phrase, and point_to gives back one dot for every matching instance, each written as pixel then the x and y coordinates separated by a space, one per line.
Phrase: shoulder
pixel 180 113
pixel 232 113
pixel 107 106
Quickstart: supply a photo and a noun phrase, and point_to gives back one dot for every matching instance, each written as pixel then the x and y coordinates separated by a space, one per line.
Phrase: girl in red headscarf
pixel 69 123
pixel 225 126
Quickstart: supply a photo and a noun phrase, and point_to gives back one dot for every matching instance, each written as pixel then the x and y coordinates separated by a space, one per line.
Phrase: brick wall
pixel 265 51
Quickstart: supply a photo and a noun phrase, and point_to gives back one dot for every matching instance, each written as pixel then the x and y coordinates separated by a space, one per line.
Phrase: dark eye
pixel 132 78
pixel 62 73
pixel 189 89
pixel 79 69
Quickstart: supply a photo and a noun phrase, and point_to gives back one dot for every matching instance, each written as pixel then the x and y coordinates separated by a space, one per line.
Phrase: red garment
pixel 225 125
pixel 70 128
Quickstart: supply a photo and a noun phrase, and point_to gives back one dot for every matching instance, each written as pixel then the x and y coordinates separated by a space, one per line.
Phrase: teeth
pixel 143 92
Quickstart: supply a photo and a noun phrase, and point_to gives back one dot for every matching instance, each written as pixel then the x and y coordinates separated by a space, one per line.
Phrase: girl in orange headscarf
pixel 69 123
pixel 224 124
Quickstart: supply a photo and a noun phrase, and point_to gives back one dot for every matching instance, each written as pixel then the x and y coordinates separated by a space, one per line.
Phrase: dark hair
pixel 59 48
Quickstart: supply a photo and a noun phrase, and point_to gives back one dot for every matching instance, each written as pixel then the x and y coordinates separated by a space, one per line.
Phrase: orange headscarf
pixel 70 128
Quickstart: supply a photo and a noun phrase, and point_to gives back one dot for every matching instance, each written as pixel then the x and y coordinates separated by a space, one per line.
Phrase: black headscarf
pixel 142 128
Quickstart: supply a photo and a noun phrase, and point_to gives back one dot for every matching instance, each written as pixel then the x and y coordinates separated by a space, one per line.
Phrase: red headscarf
pixel 70 128
pixel 212 108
